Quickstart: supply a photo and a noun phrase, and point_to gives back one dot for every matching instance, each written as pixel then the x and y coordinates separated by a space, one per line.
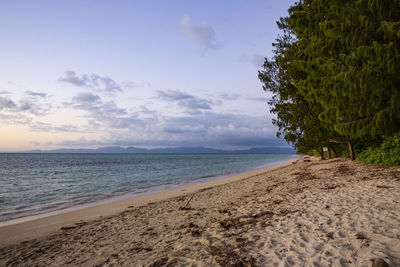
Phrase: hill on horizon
pixel 176 150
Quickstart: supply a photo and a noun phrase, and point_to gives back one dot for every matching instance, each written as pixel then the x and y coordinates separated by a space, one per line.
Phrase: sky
pixel 87 74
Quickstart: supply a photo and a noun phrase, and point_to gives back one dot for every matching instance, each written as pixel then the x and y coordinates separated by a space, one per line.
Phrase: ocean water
pixel 32 184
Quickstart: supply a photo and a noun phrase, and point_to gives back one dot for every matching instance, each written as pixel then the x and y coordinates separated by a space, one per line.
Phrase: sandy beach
pixel 319 213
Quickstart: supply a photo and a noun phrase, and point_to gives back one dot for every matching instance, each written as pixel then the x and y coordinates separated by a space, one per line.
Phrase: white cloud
pixel 7 104
pixel 231 97
pixel 93 81
pixel 36 94
pixel 85 98
pixel 34 125
pixel 202 34
pixel 33 103
pixel 186 100
pixel 5 93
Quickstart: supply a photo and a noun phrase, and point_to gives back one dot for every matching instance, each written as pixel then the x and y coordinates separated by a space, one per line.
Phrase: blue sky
pixel 135 73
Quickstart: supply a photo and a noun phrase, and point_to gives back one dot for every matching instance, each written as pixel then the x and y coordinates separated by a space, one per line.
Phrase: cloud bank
pixel 146 127
pixel 192 122
pixel 209 129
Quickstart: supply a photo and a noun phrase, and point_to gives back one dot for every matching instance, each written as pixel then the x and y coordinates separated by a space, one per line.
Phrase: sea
pixel 32 184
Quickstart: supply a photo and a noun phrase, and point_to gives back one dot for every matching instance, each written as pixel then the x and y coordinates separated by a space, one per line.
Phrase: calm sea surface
pixel 32 184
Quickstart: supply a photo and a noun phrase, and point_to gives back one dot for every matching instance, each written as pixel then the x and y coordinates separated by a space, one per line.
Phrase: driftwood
pixel 187 203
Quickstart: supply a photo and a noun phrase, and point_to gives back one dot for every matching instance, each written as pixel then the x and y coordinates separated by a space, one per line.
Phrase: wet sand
pixel 323 213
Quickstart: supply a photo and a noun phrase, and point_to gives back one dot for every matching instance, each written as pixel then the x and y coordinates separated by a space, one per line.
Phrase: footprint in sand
pixel 342 234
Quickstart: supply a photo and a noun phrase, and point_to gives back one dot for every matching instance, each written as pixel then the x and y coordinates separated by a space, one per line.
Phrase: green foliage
pixel 351 58
pixel 335 76
pixel 362 144
pixel 388 153
pixel 297 117
pixel 344 153
pixel 313 153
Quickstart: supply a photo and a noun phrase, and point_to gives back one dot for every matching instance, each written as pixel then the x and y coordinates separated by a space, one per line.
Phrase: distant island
pixel 175 150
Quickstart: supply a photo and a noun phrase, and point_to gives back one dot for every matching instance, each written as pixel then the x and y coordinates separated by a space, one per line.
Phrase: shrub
pixel 388 153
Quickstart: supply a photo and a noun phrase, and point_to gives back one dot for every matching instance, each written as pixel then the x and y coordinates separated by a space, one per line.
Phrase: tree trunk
pixel 321 152
pixel 352 155
pixel 328 152
pixel 331 147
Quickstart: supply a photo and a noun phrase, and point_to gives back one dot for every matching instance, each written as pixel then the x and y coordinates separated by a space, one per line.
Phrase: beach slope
pixel 328 213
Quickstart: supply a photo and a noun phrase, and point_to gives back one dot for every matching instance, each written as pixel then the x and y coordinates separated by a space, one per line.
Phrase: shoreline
pixel 36 226
pixel 110 196
pixel 333 212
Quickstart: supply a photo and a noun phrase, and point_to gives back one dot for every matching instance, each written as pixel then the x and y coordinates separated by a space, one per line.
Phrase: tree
pixel 297 117
pixel 350 57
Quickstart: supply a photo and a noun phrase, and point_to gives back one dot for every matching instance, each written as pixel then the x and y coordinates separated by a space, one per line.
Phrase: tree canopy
pixel 335 72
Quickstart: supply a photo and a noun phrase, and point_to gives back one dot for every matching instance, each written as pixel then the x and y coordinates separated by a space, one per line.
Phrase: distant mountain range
pixel 176 150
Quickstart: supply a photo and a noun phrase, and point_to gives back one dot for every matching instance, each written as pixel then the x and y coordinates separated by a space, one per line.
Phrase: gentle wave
pixel 32 184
